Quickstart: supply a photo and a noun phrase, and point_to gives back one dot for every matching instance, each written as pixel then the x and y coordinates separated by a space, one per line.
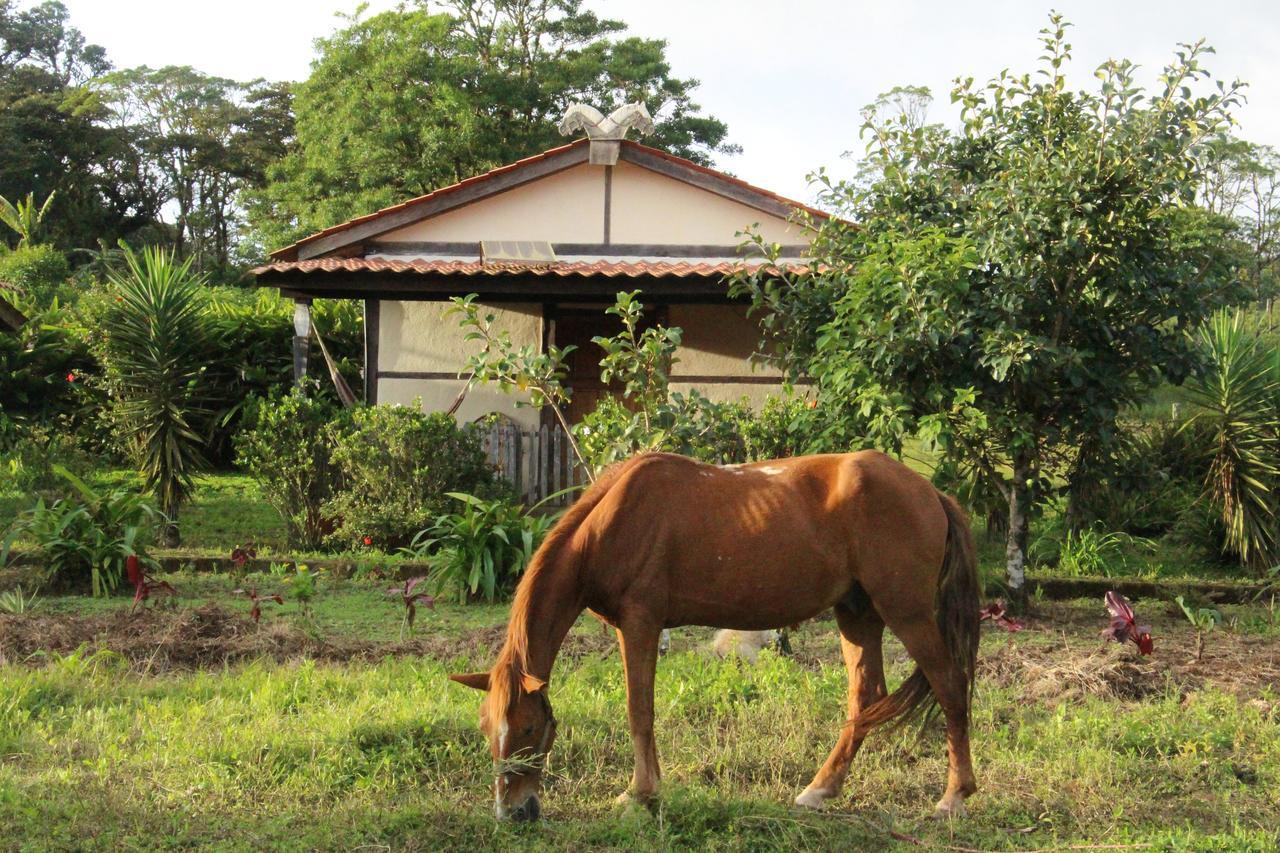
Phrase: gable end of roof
pixel 346 235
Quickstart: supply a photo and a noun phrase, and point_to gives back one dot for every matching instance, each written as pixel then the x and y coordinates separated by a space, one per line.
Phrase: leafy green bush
pixel 43 367
pixel 396 466
pixel 30 462
pixel 481 549
pixel 788 425
pixel 39 271
pixel 85 539
pixel 690 424
pixel 1153 479
pixel 286 444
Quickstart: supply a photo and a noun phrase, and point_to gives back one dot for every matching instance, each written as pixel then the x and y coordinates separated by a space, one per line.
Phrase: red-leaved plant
pixel 411 599
pixel 143 584
pixel 242 554
pixel 998 614
pixel 255 612
pixel 1124 625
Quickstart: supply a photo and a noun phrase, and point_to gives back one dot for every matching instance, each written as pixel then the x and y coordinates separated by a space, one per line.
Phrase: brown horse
pixel 661 541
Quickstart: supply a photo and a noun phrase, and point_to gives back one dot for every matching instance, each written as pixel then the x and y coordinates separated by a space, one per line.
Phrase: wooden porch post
pixel 372 331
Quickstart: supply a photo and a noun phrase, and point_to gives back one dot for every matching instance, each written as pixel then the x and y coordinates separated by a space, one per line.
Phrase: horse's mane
pixel 513 660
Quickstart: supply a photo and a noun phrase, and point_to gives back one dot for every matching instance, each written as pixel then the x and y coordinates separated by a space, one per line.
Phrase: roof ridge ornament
pixel 606 132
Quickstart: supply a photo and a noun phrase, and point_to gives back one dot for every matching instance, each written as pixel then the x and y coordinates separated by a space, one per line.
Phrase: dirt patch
pixel 1058 672
pixel 158 639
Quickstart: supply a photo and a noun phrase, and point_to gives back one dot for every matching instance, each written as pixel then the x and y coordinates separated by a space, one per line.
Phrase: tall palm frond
pixel 1237 396
pixel 157 343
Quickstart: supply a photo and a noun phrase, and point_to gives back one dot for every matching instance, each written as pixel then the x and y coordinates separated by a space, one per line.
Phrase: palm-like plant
pixel 24 217
pixel 1237 396
pixel 155 348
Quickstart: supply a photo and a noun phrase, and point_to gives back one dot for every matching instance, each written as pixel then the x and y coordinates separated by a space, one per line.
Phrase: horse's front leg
pixel 639 663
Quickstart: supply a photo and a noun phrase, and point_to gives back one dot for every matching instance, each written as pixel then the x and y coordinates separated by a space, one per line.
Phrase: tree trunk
pixel 1019 528
pixel 169 534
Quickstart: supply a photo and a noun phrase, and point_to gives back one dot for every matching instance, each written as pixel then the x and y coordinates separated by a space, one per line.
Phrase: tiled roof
pixel 290 252
pixel 609 269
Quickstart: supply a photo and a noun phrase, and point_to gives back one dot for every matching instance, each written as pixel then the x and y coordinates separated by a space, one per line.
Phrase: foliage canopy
pixel 1009 287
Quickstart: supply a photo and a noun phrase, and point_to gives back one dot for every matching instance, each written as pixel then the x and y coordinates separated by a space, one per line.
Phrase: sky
pixel 788 78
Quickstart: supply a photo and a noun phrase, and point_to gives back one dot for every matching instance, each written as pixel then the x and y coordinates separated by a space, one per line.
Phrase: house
pixel 547 242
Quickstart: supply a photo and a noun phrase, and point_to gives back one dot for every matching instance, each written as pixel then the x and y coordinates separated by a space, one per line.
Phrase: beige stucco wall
pixel 568 207
pixel 418 337
pixel 717 340
pixel 651 208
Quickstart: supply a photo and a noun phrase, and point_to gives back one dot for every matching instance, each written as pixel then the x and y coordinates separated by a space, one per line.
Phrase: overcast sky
pixel 788 78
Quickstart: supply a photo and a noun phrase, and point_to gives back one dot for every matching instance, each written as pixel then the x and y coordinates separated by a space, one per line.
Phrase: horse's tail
pixel 956 602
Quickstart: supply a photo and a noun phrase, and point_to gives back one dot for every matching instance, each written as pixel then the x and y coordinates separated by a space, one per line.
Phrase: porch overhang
pixel 669 280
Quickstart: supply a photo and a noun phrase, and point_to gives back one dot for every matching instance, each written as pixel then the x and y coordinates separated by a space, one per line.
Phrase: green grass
pixel 343 608
pixel 306 755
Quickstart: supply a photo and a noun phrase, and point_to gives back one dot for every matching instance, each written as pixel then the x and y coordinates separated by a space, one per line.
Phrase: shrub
pixel 690 424
pixel 396 466
pixel 1152 480
pixel 40 272
pixel 86 539
pixel 286 444
pixel 44 366
pixel 31 460
pixel 785 426
pixel 481 549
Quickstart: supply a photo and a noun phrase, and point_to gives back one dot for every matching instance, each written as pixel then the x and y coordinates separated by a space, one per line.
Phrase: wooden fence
pixel 538 462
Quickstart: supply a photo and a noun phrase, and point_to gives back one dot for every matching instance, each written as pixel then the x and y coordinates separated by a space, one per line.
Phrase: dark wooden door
pixel 577 327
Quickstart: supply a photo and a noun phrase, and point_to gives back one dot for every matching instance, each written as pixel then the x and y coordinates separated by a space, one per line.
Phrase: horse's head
pixel 516 716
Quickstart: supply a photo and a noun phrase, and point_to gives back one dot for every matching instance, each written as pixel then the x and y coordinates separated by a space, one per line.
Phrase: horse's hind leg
pixel 924 643
pixel 861 635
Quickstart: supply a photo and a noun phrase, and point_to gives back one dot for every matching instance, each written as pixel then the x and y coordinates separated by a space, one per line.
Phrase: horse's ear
pixel 531 683
pixel 478 680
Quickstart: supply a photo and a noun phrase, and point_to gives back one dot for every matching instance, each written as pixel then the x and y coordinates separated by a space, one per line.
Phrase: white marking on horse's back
pixel 770 470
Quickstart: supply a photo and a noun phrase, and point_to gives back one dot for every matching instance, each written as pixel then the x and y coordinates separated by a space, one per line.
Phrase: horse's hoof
pixel 813 798
pixel 951 808
pixel 628 800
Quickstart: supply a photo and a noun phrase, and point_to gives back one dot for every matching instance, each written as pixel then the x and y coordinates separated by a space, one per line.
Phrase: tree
pixel 407 101
pixel 1241 181
pixel 53 131
pixel 154 348
pixel 1011 286
pixel 203 140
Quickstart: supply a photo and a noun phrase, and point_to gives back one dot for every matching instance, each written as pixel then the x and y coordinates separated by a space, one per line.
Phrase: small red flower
pixel 368 540
pixel 813 404
pixel 71 377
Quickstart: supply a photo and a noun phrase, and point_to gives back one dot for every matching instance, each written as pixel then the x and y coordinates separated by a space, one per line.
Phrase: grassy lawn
pixel 364 743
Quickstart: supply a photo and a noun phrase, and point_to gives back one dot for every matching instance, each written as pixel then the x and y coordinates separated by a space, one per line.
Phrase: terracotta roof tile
pixel 608 269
